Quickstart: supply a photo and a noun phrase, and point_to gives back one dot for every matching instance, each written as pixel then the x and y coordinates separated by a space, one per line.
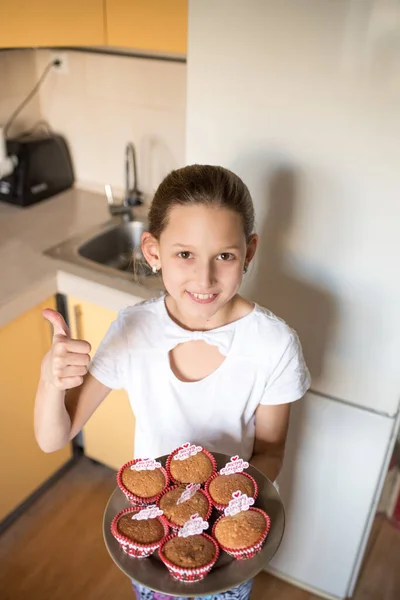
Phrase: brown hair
pixel 201 184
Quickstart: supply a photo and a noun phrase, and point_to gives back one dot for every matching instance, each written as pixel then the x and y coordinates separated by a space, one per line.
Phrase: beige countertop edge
pixel 89 290
pixel 109 292
pixel 27 299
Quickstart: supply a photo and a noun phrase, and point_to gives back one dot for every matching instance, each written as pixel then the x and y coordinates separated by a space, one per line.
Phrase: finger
pixel 57 321
pixel 74 359
pixel 71 371
pixel 62 360
pixel 67 383
pixel 78 346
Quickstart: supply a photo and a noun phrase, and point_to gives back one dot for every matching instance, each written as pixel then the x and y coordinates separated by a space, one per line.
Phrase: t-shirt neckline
pixel 205 380
pixel 231 325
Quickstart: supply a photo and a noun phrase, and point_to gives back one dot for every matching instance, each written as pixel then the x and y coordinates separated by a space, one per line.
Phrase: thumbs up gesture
pixel 66 363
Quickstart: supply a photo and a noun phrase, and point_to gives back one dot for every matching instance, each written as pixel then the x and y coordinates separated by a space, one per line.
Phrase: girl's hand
pixel 66 363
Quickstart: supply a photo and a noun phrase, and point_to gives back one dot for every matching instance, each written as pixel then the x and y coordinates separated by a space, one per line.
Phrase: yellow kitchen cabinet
pixel 24 467
pixel 152 25
pixel 108 436
pixel 27 23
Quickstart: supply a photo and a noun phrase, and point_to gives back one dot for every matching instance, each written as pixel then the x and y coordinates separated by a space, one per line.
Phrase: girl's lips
pixel 200 300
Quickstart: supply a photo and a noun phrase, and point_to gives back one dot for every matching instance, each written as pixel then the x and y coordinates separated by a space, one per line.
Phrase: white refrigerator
pixel 301 99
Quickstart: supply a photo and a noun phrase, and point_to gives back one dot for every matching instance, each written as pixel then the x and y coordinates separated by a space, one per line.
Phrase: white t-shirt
pixel 264 365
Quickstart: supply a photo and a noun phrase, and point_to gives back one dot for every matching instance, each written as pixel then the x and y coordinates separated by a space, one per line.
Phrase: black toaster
pixel 44 169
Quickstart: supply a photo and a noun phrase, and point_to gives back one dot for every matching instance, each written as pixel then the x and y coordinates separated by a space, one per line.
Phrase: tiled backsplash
pixel 102 103
pixel 17 78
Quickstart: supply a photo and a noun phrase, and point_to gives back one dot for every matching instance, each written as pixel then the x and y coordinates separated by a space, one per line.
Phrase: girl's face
pixel 202 253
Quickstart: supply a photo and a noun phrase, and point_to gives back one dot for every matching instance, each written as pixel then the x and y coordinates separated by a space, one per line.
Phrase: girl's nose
pixel 205 276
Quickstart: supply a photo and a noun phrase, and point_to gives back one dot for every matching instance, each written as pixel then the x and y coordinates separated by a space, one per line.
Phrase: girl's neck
pixel 233 310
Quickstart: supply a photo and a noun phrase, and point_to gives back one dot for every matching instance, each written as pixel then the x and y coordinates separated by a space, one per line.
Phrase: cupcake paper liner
pixel 221 507
pixel 138 501
pixel 206 452
pixel 189 575
pixel 249 552
pixel 136 549
pixel 175 526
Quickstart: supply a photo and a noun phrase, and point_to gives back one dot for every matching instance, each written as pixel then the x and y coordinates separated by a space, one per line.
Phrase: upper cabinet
pixel 26 23
pixel 143 25
pixel 147 25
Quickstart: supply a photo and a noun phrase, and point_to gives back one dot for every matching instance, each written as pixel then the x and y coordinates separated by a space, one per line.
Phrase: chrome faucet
pixel 133 196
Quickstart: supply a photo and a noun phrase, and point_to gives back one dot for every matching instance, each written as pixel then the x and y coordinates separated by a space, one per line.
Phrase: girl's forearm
pixel 51 420
pixel 269 464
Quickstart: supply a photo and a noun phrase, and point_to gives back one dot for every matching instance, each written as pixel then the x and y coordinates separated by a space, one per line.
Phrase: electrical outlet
pixel 62 69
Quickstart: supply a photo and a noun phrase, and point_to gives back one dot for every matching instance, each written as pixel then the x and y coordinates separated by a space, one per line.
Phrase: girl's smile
pixel 202 298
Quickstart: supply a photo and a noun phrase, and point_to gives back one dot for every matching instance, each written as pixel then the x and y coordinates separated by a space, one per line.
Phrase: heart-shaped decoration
pixel 240 502
pixel 186 445
pixel 194 526
pixel 234 458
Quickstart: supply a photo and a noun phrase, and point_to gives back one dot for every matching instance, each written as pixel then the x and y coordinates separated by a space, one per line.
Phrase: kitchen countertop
pixel 28 276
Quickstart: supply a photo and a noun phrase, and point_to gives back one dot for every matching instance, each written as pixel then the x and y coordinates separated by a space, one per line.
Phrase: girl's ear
pixel 150 250
pixel 251 248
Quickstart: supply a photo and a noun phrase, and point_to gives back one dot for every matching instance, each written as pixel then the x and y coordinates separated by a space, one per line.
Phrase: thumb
pixel 59 325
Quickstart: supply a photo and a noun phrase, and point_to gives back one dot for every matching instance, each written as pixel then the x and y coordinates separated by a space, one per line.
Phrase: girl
pixel 201 363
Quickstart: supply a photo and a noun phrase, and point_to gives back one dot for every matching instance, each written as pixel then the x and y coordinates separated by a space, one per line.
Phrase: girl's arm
pixel 59 414
pixel 272 424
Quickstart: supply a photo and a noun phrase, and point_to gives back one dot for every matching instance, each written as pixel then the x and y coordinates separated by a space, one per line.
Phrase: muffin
pixel 189 558
pixel 242 535
pixel 194 469
pixel 178 514
pixel 138 538
pixel 142 487
pixel 221 487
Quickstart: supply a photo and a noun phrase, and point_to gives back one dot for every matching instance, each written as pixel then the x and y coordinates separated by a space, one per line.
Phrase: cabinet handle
pixel 78 321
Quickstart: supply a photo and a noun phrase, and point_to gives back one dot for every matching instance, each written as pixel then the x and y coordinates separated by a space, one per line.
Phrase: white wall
pixel 302 100
pixel 102 103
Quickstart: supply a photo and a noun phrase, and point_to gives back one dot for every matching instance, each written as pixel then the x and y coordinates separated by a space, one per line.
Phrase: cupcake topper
pixel 146 464
pixel 240 502
pixel 150 512
pixel 235 465
pixel 187 450
pixel 188 492
pixel 195 526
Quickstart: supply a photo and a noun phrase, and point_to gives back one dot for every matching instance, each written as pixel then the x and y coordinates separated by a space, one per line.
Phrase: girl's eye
pixel 226 256
pixel 185 254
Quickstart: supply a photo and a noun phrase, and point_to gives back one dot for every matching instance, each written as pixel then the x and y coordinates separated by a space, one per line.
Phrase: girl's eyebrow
pixel 225 248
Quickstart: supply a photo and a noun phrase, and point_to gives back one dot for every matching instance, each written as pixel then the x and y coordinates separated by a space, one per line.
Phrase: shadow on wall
pixel 306 307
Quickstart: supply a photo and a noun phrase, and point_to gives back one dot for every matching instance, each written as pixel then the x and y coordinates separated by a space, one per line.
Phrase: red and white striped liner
pixel 132 548
pixel 171 456
pixel 138 501
pixel 221 507
pixel 250 551
pixel 175 526
pixel 188 574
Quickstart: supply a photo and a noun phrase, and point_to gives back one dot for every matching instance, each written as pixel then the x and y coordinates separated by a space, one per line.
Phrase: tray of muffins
pixel 192 523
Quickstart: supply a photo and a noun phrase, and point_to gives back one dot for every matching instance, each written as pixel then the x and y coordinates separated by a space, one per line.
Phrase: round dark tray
pixel 227 572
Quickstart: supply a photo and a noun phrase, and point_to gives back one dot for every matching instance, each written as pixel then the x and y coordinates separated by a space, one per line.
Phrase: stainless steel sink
pixel 116 247
pixel 113 248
